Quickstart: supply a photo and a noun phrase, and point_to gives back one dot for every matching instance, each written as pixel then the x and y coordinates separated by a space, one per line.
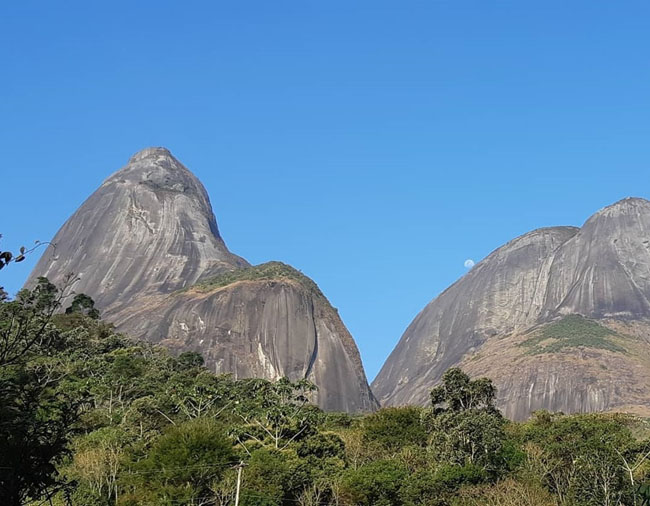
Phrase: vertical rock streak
pixel 148 232
pixel 601 271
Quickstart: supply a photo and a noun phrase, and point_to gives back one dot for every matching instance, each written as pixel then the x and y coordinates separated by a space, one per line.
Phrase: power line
pixel 182 468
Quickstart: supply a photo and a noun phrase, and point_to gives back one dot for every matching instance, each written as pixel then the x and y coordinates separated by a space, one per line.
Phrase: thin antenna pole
pixel 239 469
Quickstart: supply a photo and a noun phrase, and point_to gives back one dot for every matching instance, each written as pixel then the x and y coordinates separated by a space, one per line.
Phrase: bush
pixel 505 493
pixel 395 428
pixel 183 463
pixel 270 476
pixel 375 484
pixel 434 488
pixel 582 458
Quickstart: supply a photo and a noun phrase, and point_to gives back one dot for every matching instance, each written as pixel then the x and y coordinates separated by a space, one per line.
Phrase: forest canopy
pixel 90 417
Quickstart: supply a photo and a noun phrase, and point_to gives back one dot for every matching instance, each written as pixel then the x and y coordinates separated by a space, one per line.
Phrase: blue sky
pixel 374 145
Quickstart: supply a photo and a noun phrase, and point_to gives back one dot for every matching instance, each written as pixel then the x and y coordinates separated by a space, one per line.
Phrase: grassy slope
pixel 572 331
pixel 267 271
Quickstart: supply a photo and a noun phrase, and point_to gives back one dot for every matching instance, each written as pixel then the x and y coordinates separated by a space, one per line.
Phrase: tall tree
pixel 466 428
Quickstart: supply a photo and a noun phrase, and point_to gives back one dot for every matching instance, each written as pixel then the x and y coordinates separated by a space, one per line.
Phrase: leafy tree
pixel 98 459
pixel 274 414
pixel 437 488
pixel 270 476
pixel 458 392
pixel 422 489
pixel 395 428
pixel 181 465
pixel 89 417
pixel 321 446
pixel 584 459
pixel 82 303
pixel 195 392
pixel 24 321
pixel 322 460
pixel 36 423
pixel 509 492
pixel 358 450
pixel 37 414
pixel 376 484
pixel 190 360
pixel 469 437
pixel 465 426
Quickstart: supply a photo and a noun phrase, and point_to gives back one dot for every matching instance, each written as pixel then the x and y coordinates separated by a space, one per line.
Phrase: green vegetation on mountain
pixel 89 417
pixel 572 331
pixel 266 271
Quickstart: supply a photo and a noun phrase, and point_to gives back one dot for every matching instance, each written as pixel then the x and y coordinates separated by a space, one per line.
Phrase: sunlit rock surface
pixel 148 229
pixel 148 234
pixel 601 271
pixel 265 328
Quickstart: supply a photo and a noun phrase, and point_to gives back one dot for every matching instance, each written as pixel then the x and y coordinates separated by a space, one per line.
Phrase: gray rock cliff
pixel 604 271
pixel 484 321
pixel 267 321
pixel 148 229
pixel 143 244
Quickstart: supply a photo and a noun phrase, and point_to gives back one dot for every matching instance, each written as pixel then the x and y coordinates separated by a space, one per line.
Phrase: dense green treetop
pixel 89 417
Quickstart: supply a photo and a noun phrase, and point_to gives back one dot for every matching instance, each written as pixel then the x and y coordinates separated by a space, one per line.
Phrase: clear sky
pixel 374 145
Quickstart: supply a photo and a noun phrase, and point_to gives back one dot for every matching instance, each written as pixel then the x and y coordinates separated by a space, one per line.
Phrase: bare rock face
pixel 604 271
pixel 504 292
pixel 146 247
pixel 573 372
pixel 482 322
pixel 266 321
pixel 148 229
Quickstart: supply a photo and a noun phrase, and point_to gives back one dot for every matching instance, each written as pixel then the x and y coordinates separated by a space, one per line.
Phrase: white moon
pixel 469 263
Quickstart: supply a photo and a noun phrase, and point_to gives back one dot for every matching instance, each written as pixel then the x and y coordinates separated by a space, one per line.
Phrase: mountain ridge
pixel 148 234
pixel 600 270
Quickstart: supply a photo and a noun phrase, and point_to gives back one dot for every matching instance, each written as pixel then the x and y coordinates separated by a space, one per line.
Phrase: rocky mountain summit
pixel 148 229
pixel 146 247
pixel 559 318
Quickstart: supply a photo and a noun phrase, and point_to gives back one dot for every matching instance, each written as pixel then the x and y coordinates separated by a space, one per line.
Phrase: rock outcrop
pixel 148 229
pixel 266 321
pixel 604 271
pixel 146 247
pixel 484 320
